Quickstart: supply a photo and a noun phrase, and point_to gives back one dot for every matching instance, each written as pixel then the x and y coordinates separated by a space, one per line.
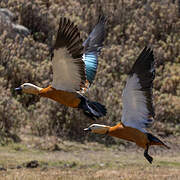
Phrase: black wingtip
pixel 94 42
pixel 144 61
pixel 147 51
pixel 102 19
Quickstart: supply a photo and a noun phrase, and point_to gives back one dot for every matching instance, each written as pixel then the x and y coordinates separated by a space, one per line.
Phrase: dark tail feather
pixel 92 109
pixel 155 141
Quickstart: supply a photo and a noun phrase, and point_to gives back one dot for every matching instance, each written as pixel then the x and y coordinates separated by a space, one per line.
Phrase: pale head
pixel 98 128
pixel 29 88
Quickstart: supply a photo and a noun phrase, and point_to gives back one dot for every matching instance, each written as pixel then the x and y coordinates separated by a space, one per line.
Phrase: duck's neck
pixel 38 88
pixel 34 90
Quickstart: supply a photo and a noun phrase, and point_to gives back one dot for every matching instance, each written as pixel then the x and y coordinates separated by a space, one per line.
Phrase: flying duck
pixel 138 111
pixel 74 68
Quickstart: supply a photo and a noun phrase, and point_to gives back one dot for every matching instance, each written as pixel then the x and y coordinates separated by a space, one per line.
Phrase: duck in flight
pixel 138 112
pixel 74 68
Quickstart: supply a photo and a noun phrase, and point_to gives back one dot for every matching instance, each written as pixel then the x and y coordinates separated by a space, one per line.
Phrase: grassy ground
pixel 76 161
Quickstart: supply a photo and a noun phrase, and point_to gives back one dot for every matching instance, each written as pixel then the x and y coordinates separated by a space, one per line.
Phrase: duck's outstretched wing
pixel 68 66
pixel 92 46
pixel 138 111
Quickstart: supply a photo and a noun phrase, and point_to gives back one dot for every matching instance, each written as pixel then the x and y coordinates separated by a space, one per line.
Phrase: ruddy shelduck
pixel 138 111
pixel 74 68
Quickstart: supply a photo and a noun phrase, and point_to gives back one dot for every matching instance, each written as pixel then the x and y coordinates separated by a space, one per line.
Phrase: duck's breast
pixel 63 97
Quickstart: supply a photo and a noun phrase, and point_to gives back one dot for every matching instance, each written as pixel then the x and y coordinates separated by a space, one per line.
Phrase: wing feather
pixel 92 46
pixel 68 66
pixel 138 111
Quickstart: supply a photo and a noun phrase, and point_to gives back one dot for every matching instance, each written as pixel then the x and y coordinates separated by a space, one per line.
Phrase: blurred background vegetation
pixel 131 26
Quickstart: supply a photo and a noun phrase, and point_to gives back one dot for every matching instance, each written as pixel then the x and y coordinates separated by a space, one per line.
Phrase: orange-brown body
pixel 131 134
pixel 66 98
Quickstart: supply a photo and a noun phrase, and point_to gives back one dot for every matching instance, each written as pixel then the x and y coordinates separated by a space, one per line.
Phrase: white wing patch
pixel 65 71
pixel 135 112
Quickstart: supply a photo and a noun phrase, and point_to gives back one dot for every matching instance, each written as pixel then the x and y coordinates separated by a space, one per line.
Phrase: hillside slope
pixel 131 25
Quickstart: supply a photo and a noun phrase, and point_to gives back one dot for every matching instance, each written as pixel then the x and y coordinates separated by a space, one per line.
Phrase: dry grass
pixel 88 162
pixel 131 25
pixel 130 173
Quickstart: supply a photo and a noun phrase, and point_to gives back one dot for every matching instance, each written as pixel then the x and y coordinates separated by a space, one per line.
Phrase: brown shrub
pixel 131 25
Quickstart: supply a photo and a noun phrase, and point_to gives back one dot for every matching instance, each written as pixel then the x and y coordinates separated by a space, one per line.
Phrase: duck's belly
pixel 63 97
pixel 131 134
